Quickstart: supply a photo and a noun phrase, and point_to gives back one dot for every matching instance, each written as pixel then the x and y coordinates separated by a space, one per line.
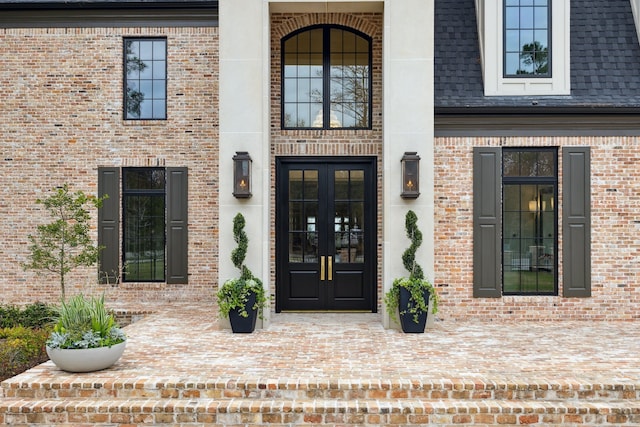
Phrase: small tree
pixel 64 244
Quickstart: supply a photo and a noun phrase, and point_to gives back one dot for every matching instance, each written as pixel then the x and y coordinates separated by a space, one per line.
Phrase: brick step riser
pixel 316 412
pixel 128 391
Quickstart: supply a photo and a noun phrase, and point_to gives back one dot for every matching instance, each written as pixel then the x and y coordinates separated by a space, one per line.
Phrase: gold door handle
pixel 322 268
pixel 330 268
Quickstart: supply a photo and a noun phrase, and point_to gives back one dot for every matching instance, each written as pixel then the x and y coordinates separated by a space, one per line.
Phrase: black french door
pixel 326 234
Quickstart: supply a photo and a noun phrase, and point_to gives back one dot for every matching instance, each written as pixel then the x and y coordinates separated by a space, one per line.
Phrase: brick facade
pixel 62 118
pixel 615 248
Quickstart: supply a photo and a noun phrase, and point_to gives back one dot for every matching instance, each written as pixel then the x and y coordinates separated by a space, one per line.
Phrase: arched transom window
pixel 326 79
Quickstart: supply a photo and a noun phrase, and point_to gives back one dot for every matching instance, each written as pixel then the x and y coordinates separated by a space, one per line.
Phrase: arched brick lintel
pixel 307 20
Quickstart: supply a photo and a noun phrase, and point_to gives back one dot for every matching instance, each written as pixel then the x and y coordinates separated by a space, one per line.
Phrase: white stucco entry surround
pixel 408 52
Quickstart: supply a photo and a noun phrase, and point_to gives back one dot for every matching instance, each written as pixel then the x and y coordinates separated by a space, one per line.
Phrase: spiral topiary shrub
pixel 236 293
pixel 415 285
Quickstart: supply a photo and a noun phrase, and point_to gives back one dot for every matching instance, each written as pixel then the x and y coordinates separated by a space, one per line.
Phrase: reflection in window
pixel 526 38
pixel 349 216
pixel 303 214
pixel 144 224
pixel 326 79
pixel 145 88
pixel 529 228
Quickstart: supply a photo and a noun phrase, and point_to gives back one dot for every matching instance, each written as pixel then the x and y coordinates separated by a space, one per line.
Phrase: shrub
pixel 21 348
pixel 37 315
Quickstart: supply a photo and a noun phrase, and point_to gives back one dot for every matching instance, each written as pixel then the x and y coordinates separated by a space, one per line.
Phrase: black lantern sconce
pixel 242 175
pixel 410 175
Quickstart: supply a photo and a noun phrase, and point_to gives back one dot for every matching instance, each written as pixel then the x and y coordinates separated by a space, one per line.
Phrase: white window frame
pixel 490 20
pixel 635 8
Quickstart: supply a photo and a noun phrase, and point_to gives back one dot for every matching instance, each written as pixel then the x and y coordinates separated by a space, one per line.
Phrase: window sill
pixel 144 122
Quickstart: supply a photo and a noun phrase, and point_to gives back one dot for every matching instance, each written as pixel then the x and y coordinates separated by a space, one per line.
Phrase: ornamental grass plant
pixel 83 322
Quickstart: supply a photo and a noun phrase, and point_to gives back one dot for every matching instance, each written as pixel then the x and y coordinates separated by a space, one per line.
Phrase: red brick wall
pixel 615 231
pixel 62 118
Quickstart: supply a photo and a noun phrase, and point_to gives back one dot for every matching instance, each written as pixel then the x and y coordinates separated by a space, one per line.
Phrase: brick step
pixel 150 388
pixel 371 412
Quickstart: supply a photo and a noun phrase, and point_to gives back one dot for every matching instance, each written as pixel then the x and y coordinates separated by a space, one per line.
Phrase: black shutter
pixel 487 222
pixel 177 236
pixel 109 225
pixel 576 222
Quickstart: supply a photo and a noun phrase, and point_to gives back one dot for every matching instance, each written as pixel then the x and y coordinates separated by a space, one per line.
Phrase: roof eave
pixel 84 5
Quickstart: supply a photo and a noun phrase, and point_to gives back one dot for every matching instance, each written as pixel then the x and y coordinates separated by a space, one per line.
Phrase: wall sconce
pixel 410 175
pixel 242 175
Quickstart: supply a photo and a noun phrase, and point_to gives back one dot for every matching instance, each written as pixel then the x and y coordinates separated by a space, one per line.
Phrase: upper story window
pixel 525 47
pixel 145 82
pixel 526 38
pixel 326 79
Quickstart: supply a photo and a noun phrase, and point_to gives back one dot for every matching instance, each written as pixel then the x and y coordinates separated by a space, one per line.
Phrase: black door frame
pixel 370 217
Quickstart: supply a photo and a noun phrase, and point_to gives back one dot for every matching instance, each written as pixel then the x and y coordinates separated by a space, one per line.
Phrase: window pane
pixel 545 164
pixel 290 90
pixel 317 115
pixel 295 185
pixel 512 41
pixel 158 70
pixel 159 50
pixel 144 179
pixel 159 108
pixel 311 185
pixel 315 41
pixel 303 116
pixel 512 18
pixel 542 38
pixel 349 42
pixel 512 63
pixel 146 109
pixel 290 115
pixel 304 90
pixel 540 18
pixel 336 40
pixel 146 50
pixel 146 87
pixel 316 90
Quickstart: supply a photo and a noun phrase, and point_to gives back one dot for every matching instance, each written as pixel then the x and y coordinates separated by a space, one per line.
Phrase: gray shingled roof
pixel 605 59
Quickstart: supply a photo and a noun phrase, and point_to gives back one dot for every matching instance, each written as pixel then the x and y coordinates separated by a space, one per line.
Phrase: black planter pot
pixel 244 325
pixel 406 320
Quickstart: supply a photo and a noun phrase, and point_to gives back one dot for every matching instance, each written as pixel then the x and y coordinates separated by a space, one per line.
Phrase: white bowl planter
pixel 86 359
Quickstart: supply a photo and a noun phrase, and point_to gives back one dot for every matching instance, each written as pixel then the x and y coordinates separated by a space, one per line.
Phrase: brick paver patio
pixel 335 359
